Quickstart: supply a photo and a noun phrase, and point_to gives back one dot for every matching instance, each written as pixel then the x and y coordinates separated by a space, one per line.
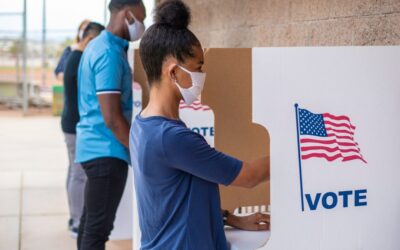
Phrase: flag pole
pixel 296 106
pixel 25 94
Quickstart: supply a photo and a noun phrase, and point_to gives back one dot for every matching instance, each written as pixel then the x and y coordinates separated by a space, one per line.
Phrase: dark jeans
pixel 106 178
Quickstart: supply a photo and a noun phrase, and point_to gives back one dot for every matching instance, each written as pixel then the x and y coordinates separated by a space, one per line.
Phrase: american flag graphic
pixel 195 106
pixel 136 86
pixel 327 136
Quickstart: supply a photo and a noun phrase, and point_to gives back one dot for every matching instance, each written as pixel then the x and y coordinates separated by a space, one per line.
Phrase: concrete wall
pixel 252 23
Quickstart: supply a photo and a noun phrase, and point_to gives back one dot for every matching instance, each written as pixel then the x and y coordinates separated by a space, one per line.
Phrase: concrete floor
pixel 33 202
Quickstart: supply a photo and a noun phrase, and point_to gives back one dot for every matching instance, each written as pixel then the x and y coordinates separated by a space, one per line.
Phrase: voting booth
pixel 332 116
pixel 328 119
pixel 123 226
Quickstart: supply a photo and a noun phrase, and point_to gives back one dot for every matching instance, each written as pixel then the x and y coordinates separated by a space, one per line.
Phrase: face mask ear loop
pixel 188 72
pixel 133 16
pixel 173 75
pixel 182 68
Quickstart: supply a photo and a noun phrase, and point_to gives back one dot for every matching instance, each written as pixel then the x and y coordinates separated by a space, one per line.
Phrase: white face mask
pixel 193 93
pixel 136 29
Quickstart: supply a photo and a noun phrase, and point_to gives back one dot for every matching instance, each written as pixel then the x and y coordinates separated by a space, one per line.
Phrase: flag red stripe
pixel 189 107
pixel 340 131
pixel 135 87
pixel 343 129
pixel 307 140
pixel 334 117
pixel 340 125
pixel 330 150
pixel 332 158
pixel 193 104
pixel 353 157
pixel 321 155
pixel 341 137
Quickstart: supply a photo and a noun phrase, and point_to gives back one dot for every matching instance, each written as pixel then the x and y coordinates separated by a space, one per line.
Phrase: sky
pixel 63 17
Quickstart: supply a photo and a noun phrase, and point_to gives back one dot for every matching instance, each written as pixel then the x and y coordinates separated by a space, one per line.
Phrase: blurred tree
pixel 15 51
pixel 68 41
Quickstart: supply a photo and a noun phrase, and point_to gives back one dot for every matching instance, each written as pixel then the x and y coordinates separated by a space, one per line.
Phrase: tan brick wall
pixel 252 23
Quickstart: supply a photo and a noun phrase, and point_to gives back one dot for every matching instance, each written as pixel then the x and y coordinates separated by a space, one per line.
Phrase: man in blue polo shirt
pixel 105 109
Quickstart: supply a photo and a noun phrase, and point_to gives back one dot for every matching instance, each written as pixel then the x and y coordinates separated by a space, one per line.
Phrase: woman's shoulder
pixel 158 123
pixel 178 132
pixel 175 127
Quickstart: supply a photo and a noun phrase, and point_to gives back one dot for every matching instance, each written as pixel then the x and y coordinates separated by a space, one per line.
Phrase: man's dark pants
pixel 106 178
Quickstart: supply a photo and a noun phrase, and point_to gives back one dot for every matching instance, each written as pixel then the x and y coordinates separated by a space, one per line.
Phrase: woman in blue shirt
pixel 176 172
pixel 59 70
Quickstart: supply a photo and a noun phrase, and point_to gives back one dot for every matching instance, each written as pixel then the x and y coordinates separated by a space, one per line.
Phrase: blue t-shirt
pixel 103 69
pixel 176 181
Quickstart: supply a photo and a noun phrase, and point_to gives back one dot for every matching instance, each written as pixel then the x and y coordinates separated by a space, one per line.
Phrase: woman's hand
pixel 254 222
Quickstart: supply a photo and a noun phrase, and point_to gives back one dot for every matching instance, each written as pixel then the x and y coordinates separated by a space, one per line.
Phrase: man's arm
pixel 60 76
pixel 110 105
pixel 59 70
pixel 253 173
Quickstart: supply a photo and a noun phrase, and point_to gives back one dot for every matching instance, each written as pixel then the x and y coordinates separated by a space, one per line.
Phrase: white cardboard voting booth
pixel 332 116
pixel 331 201
pixel 124 217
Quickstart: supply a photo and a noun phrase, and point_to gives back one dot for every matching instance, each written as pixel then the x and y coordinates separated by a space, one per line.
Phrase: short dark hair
pixel 93 28
pixel 116 5
pixel 169 36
